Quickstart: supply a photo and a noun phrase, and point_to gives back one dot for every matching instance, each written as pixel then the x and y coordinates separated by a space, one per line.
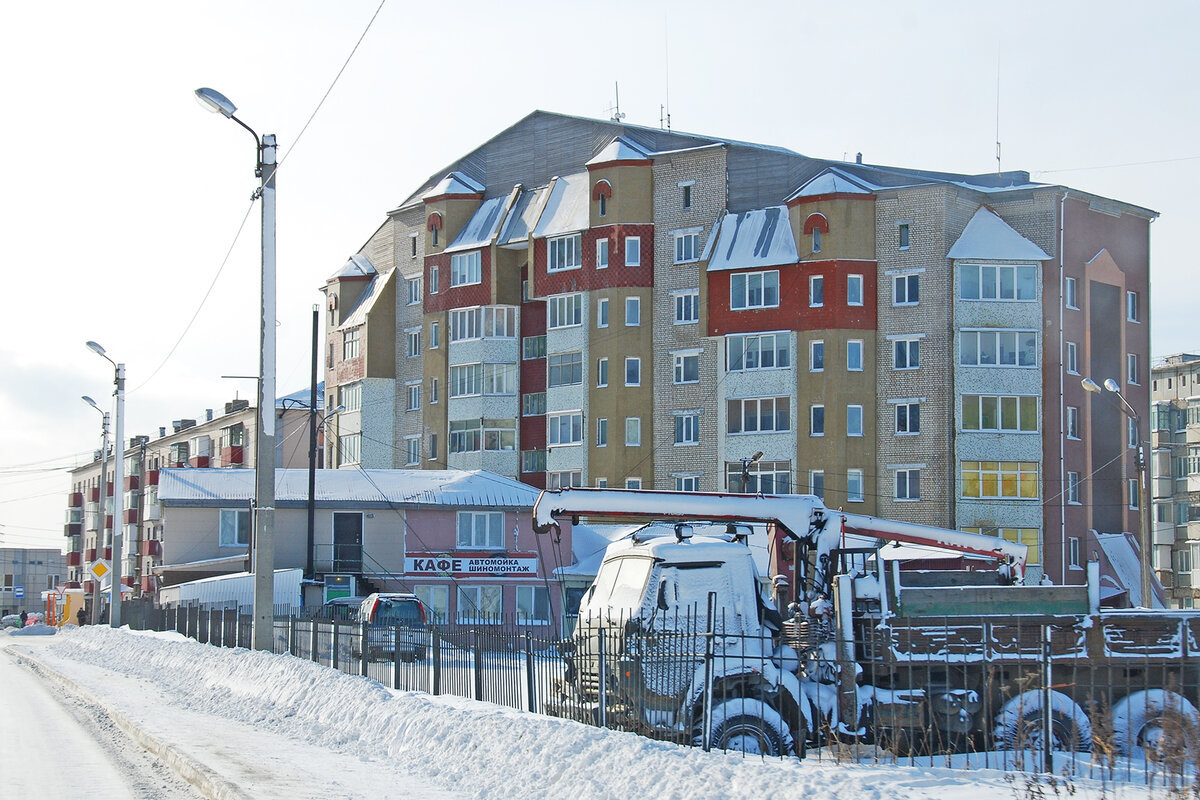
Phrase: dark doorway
pixel 347 541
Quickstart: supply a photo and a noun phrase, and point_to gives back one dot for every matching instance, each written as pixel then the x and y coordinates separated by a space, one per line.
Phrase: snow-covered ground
pixel 236 723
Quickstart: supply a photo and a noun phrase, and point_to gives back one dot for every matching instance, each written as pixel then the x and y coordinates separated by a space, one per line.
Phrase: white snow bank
pixel 36 629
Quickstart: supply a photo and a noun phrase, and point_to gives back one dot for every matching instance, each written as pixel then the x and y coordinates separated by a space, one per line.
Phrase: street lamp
pixel 1143 493
pixel 115 583
pixel 746 462
pixel 262 636
pixel 103 492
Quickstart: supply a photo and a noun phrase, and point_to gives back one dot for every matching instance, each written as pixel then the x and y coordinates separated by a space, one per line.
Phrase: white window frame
pixel 601 372
pixel 633 311
pixel 633 251
pixel 778 344
pixel 1132 311
pixel 682 362
pixel 853 281
pixel 1072 358
pixel 230 526
pixel 687 429
pixel 602 432
pixel 909 281
pixel 853 345
pixel 736 416
pixel 572 361
pixel 907 427
pixel 633 431
pixel 998 334
pixel 412 450
pixel 687 247
pixel 687 307
pixel 990 282
pixel 479 604
pixel 559 422
pixel 855 487
pixel 435 335
pixel 816 420
pixel 533 604
pixel 414 342
pixel 1131 369
pixel 1073 488
pixel 911 347
pixel 564 252
pixel 414 395
pixel 633 483
pixel 816 349
pixel 1070 294
pixel 1072 422
pixel 414 290
pixel 602 253
pixel 853 409
pixel 816 291
pixel 602 312
pixel 564 311
pixel 742 290
pixel 466 269
pixel 903 234
pixel 904 479
pixel 635 363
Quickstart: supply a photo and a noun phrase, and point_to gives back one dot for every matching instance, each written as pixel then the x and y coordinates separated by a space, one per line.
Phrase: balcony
pixel 130 516
pixel 74 559
pixel 131 482
pixel 72 585
pixel 148 584
pixel 89 587
pixel 199 462
pixel 75 500
pixel 72 529
pixel 93 494
pixel 233 454
pixel 89 555
pixel 152 547
pixel 152 477
pixel 108 554
pixel 153 512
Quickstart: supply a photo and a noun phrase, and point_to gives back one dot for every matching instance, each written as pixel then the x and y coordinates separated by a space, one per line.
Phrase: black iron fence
pixel 1067 698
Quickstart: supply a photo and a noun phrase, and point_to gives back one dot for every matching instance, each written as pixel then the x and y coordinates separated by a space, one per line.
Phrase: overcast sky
pixel 121 197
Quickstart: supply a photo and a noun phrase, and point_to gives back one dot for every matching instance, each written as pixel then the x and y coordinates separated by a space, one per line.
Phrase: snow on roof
pixel 454 183
pixel 829 182
pixel 988 236
pixel 1121 551
pixel 759 238
pixel 451 487
pixel 366 301
pixel 567 208
pixel 619 149
pixel 482 227
pixel 522 217
pixel 358 266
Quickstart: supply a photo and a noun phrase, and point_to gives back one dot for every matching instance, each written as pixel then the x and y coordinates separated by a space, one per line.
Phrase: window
pixel 603 206
pixel 436 600
pixel 474 435
pixel 602 252
pixel 908 418
pixel 1073 488
pixel 1131 433
pixel 466 435
pixel 533 602
pixel 414 396
pixel 816 356
pixel 816 240
pixel 687 307
pixel 1131 368
pixel 1030 537
pixel 906 354
pixel 533 404
pixel 687 195
pixel 602 312
pixel 499 379
pixel 433 447
pixel 768 477
pixel 488 322
pixel 564 252
pixel 350 343
pixel 687 368
pixel 412 238
pixel 854 355
pixel 435 232
pixel 854 486
pixel 1073 552
pixel 601 372
pixel 758 415
pixel 908 484
pixel 564 369
pixel 350 448
pixel 480 603
pixel 533 347
pixel 1072 358
pixel 602 432
pixel 754 290
pixel 854 420
pixel 816 482
pixel 435 339
pixel 633 483
pixel 1069 295
pixel 1002 282
pixel 902 234
pixel 854 290
pixel 351 397
pixel 906 290
pixel 1072 422
pixel 433 390
pixel 234 527
pixel 1012 413
pixel 687 483
pixel 1131 307
pixel 414 343
pixel 414 290
pixel 687 429
pixel 1000 479
pixel 995 348
pixel 412 449
pixel 564 311
pixel 687 247
pixel 433 273
pixel 633 371
pixel 745 352
pixel 816 420
pixel 564 479
pixel 633 251
pixel 633 312
pixel 816 291
pixel 1133 494
pixel 465 269
pixel 533 461
pixel 500 435
pixel 466 380
pixel 633 431
pixel 566 428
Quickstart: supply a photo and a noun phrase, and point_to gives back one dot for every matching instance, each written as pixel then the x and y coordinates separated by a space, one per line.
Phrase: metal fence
pixel 955 692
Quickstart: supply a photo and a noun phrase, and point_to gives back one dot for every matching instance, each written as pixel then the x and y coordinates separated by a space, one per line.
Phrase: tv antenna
pixel 998 170
pixel 664 110
pixel 617 114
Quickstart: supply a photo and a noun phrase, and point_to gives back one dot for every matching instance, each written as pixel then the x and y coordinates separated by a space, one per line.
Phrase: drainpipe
pixel 1062 408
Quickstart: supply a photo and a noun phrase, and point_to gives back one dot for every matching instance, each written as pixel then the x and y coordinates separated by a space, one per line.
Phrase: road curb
pixel 207 781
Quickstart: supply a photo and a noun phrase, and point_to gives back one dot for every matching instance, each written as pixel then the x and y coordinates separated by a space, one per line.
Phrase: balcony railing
pixel 75 500
pixel 74 559
pixel 151 547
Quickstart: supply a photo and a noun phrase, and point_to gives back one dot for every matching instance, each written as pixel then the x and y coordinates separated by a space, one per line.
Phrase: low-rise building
pixel 26 572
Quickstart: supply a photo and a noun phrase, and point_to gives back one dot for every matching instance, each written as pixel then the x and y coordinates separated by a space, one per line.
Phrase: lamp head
pixel 216 102
pixel 754 458
pixel 91 402
pixel 97 349
pixel 337 410
pixel 1112 386
pixel 1090 385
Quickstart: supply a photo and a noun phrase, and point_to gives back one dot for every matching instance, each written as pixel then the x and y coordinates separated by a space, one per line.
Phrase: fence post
pixel 291 634
pixel 366 651
pixel 396 661
pixel 313 631
pixel 530 686
pixel 437 662
pixel 602 677
pixel 333 650
pixel 477 662
pixel 1047 707
pixel 706 736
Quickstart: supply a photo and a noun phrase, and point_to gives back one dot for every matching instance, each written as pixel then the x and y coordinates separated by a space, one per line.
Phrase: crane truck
pixel 679 638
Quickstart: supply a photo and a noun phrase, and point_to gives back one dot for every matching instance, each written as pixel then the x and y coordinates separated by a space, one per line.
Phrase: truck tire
pixel 749 726
pixel 1019 723
pixel 1155 722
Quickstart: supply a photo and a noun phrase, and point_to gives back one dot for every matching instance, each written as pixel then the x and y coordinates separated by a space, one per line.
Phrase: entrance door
pixel 347 541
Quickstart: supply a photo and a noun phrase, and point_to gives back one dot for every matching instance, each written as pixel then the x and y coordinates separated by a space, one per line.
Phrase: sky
pixel 123 198
pixel 256 724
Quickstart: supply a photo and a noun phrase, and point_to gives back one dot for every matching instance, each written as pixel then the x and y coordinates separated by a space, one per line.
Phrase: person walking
pixel 24 617
pixel 81 616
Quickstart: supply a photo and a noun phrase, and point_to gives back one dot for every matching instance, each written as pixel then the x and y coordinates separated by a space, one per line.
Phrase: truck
pixel 680 638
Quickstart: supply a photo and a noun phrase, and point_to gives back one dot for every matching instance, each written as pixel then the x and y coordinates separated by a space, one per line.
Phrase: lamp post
pixel 746 462
pixel 262 636
pixel 1141 459
pixel 103 491
pixel 115 583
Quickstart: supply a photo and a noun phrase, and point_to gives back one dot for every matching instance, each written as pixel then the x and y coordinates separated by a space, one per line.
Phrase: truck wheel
pixel 1019 723
pixel 1156 722
pixel 749 726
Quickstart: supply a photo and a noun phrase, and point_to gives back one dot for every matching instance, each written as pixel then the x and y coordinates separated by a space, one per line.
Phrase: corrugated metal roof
pixel 522 217
pixel 358 266
pixel 987 236
pixel 482 227
pixel 760 238
pixel 567 208
pixel 455 488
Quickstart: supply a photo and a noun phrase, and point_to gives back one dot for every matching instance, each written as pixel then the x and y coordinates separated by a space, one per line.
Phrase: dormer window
pixel 815 225
pixel 602 193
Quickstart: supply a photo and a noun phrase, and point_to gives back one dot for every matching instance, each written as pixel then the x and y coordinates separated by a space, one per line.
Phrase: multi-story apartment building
pixel 225 440
pixel 1175 466
pixel 26 572
pixel 582 302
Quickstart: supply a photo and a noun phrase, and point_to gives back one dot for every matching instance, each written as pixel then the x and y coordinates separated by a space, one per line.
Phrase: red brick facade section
pixel 602 189
pixel 532 430
pixel 794 312
pixel 588 278
pixel 447 298
pixel 816 221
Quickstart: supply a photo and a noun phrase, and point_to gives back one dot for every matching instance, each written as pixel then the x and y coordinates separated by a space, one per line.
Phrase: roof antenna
pixel 664 111
pixel 617 115
pixel 998 170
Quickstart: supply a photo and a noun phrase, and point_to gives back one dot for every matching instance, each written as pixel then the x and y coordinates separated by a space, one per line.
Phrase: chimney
pixel 236 405
pixel 208 415
pixel 858 158
pixel 162 432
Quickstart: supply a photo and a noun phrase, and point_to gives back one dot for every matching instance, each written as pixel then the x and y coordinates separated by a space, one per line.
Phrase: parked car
pixel 397 625
pixel 343 609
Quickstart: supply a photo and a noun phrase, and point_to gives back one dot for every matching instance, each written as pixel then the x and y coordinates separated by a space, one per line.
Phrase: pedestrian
pixel 24 616
pixel 81 616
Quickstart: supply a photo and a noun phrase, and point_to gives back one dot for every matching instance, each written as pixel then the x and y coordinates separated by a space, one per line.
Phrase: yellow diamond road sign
pixel 99 569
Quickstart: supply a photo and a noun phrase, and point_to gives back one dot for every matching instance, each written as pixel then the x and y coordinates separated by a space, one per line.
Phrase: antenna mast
pixel 998 170
pixel 617 115
pixel 664 111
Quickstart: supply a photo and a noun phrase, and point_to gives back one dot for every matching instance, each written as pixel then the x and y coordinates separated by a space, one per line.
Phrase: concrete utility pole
pixel 103 491
pixel 115 582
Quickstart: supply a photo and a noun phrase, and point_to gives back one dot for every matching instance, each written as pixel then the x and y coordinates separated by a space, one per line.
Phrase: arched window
pixel 814 226
pixel 602 193
pixel 435 225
